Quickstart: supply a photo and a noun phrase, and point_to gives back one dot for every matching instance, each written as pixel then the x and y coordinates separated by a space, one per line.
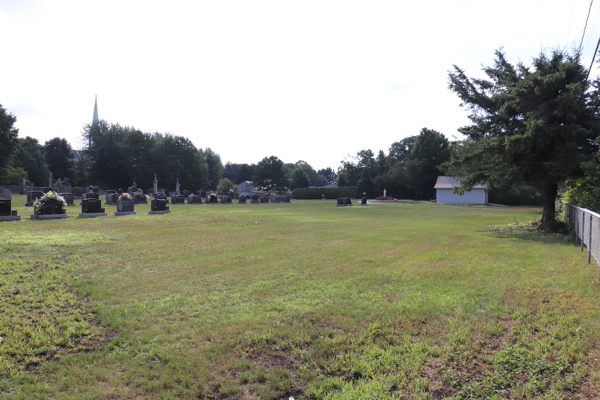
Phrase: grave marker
pixel 50 206
pixel 6 212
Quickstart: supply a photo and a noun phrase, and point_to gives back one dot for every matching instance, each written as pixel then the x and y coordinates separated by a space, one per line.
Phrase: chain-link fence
pixel 586 225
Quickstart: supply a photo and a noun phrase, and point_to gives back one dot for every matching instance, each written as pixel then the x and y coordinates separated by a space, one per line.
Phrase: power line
pixel 593 25
pixel 595 51
pixel 586 21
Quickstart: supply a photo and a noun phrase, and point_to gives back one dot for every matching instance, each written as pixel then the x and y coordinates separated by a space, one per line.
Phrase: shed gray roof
pixel 449 182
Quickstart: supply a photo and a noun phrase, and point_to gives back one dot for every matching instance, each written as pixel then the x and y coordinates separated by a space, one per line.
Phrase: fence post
pixel 590 242
pixel 582 228
pixel 576 224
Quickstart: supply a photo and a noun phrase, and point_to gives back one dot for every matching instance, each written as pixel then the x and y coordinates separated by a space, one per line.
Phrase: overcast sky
pixel 302 80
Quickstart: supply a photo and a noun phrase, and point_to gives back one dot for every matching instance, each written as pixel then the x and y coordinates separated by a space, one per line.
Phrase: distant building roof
pixel 449 182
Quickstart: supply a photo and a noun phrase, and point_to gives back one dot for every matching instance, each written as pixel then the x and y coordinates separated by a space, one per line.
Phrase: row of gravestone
pixel 91 205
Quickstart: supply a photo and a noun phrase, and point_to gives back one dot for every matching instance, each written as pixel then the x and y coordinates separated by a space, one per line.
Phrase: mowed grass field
pixel 267 301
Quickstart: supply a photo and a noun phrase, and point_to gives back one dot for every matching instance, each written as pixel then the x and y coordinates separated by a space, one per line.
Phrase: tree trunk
pixel 549 215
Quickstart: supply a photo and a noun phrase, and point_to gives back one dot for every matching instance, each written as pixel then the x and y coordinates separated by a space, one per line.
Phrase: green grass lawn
pixel 268 301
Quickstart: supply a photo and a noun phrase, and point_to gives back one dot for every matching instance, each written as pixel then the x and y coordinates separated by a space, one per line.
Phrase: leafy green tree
pixel 430 150
pixel 536 124
pixel 215 167
pixel 328 175
pixel 366 159
pixel 365 183
pixel 245 174
pixel 313 178
pixel 349 172
pixel 184 163
pixel 8 143
pixel 585 191
pixel 269 174
pixel 225 186
pixel 107 156
pixel 59 157
pixel 300 179
pixel 400 151
pixel 139 159
pixel 30 157
pixel 231 171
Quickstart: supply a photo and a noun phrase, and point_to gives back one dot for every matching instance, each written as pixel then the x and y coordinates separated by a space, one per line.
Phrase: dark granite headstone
pixel 242 199
pixel 111 198
pixel 91 195
pixel 6 212
pixel 51 207
pixel 159 206
pixel 225 200
pixel 363 201
pixel 65 186
pixel 47 189
pixel 68 198
pixel 255 199
pixel 344 201
pixel 125 207
pixel 194 199
pixel 177 199
pixel 139 197
pixel 32 197
pixel 91 206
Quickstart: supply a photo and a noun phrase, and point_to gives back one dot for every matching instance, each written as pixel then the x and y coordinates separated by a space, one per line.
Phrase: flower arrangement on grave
pixel 125 196
pixel 49 198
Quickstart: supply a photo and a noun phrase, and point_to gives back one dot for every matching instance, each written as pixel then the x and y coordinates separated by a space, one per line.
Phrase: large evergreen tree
pixel 535 124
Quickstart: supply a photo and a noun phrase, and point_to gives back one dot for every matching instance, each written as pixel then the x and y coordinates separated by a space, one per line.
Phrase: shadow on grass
pixel 526 233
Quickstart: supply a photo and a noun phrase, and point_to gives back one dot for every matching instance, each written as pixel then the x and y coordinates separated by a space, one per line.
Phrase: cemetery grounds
pixel 304 300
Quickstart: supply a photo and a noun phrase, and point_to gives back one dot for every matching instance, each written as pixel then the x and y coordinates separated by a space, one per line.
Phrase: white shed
pixel 443 188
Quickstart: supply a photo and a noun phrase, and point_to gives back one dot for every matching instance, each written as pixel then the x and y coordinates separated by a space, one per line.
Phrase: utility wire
pixel 586 21
pixel 595 51
pixel 593 25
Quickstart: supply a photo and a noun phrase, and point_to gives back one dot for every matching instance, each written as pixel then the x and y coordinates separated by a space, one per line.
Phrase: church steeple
pixel 95 119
